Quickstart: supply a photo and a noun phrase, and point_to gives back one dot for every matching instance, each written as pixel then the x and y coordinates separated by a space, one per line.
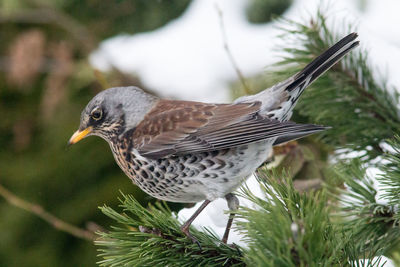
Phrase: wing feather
pixel 181 127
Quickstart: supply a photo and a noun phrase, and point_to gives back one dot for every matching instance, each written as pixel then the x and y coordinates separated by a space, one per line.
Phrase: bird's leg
pixel 233 204
pixel 186 225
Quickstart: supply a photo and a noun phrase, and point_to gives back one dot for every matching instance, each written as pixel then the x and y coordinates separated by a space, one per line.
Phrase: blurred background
pixel 55 55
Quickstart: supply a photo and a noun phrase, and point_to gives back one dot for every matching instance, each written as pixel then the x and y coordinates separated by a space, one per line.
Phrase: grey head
pixel 112 112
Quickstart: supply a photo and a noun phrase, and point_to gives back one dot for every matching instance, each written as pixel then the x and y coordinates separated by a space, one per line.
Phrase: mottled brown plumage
pixel 172 122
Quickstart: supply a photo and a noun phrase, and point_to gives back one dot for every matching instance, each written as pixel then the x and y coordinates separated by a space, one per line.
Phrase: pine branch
pixel 372 220
pixel 390 179
pixel 289 228
pixel 153 237
pixel 235 66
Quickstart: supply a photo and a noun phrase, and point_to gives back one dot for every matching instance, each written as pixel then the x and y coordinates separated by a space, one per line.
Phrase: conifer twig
pixel 46 216
pixel 247 90
pixel 148 236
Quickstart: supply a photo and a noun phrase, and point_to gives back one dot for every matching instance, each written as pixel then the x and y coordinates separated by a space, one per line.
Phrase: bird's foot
pixel 158 232
pixel 185 230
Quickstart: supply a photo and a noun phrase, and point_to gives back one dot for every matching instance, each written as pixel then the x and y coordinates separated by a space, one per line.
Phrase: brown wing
pixel 179 127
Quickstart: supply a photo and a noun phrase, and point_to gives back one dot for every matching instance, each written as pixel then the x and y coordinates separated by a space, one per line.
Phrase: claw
pixel 186 225
pixel 197 243
pixel 185 230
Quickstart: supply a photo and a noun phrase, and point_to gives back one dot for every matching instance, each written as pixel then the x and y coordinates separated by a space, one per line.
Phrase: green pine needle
pixel 370 220
pixel 288 228
pixel 152 237
pixel 390 179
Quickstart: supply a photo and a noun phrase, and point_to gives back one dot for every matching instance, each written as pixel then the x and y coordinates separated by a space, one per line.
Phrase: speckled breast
pixel 186 178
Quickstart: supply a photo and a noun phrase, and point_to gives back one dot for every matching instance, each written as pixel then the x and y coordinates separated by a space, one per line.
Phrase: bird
pixel 188 151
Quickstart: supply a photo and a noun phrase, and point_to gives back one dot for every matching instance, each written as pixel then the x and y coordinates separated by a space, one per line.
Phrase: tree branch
pixel 47 15
pixel 48 217
pixel 247 90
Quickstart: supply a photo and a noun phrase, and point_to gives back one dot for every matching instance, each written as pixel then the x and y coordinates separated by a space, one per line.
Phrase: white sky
pixel 185 59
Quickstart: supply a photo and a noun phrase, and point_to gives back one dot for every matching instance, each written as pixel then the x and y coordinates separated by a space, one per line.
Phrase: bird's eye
pixel 96 114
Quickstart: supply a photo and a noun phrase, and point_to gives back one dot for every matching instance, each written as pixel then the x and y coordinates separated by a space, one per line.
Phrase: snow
pixel 185 59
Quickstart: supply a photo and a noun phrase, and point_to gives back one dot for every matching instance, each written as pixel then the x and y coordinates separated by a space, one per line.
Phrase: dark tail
pixel 310 73
pixel 323 62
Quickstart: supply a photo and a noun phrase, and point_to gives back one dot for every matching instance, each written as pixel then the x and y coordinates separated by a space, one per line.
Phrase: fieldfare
pixel 184 151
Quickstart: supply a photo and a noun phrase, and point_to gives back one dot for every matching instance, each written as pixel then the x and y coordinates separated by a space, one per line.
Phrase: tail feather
pixel 278 101
pixel 295 85
pixel 323 62
pixel 308 130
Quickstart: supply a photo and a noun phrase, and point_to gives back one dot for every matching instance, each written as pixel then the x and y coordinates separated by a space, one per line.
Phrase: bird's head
pixel 112 112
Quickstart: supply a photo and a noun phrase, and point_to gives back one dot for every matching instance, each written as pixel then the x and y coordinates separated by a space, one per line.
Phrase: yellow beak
pixel 79 135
